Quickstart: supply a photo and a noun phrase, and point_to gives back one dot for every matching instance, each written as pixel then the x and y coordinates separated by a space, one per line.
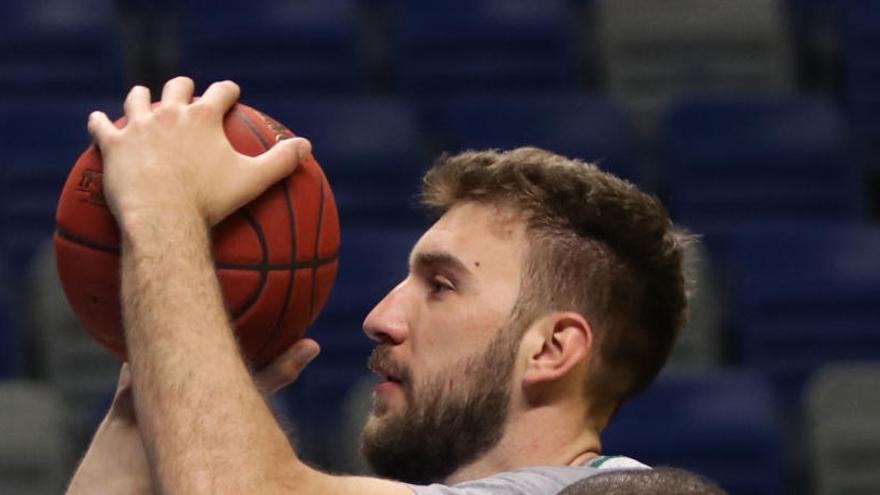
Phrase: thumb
pixel 285 369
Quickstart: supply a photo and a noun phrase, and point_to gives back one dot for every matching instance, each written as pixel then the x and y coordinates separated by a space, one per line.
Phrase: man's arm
pixel 170 174
pixel 205 426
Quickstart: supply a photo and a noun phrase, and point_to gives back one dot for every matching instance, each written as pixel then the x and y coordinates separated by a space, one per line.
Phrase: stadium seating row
pixel 640 52
pixel 725 160
pixel 339 45
pixel 727 425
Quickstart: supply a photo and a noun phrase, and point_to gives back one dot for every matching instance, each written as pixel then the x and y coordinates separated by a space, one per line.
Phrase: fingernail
pixel 307 353
pixel 303 149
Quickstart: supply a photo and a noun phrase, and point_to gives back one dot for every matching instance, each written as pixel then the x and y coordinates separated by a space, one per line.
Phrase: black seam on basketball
pixel 250 125
pixel 266 146
pixel 273 335
pixel 66 234
pixel 316 258
pixel 259 267
pixel 264 275
pixel 262 266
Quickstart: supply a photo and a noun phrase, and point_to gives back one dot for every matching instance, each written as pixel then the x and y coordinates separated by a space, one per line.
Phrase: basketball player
pixel 546 293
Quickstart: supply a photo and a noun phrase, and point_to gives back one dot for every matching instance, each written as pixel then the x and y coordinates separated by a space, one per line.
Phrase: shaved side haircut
pixel 657 481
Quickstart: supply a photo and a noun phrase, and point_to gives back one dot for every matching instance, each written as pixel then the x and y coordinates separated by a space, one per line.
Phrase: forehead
pixel 484 237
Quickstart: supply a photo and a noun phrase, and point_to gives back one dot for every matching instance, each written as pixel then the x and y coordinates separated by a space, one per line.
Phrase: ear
pixel 557 344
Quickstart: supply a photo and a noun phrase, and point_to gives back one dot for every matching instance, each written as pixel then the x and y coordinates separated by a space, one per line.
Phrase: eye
pixel 440 284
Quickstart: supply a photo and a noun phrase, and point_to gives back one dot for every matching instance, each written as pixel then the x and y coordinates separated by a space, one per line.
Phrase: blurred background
pixel 757 122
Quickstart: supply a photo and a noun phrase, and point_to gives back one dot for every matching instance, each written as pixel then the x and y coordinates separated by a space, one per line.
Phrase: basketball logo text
pixel 280 131
pixel 91 187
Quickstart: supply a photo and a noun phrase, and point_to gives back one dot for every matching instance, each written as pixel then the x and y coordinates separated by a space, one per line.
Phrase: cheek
pixel 457 330
pixel 442 380
pixel 451 332
pixel 440 373
pixel 439 344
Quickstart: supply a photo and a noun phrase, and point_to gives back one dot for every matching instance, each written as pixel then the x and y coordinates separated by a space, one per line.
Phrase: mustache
pixel 380 359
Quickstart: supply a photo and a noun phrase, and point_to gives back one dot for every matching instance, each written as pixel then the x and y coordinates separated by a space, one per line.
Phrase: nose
pixel 388 322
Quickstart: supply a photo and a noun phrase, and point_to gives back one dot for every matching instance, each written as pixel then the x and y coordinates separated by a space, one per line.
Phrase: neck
pixel 544 436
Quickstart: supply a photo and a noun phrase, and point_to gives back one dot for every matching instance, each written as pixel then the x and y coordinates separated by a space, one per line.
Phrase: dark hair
pixel 657 481
pixel 597 245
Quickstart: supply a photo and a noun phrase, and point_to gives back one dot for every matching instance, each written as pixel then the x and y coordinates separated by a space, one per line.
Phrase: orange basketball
pixel 276 257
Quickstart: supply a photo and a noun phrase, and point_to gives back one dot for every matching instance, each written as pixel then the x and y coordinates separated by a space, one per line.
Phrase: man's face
pixel 445 350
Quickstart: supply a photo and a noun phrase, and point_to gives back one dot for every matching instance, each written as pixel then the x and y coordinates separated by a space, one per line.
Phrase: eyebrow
pixel 439 260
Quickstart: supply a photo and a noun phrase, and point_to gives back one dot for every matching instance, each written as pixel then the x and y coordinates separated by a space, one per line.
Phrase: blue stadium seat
pixel 371 149
pixel 443 47
pixel 804 295
pixel 735 159
pixel 41 140
pixel 859 30
pixel 652 52
pixel 58 47
pixel 722 425
pixel 282 48
pixel 585 126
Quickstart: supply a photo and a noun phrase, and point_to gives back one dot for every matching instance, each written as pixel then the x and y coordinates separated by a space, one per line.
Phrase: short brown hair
pixel 657 481
pixel 597 246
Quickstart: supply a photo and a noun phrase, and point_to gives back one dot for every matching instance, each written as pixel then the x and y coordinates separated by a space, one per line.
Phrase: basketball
pixel 275 258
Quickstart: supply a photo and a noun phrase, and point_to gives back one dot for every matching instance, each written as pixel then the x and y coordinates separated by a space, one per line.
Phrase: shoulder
pixel 533 480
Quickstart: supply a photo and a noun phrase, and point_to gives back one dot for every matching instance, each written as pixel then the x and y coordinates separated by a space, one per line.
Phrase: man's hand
pixel 175 157
pixel 116 462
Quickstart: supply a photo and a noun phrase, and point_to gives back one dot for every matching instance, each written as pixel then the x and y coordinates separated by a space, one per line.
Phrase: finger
pixel 137 102
pixel 285 369
pixel 124 377
pixel 221 95
pixel 257 174
pixel 277 163
pixel 100 127
pixel 122 408
pixel 178 90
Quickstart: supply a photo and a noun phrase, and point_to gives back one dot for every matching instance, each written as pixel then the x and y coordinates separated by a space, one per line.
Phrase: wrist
pixel 159 225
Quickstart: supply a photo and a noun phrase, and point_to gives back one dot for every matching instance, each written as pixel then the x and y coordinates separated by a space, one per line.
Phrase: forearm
pixel 113 464
pixel 205 426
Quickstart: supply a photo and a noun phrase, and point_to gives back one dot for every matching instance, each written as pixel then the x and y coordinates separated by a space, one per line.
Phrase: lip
pixel 387 386
pixel 384 375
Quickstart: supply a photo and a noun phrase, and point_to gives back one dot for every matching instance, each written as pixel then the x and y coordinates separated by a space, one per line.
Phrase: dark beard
pixel 439 433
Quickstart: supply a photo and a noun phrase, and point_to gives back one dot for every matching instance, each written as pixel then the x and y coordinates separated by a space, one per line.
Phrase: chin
pixel 378 416
pixel 374 426
pixel 385 404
